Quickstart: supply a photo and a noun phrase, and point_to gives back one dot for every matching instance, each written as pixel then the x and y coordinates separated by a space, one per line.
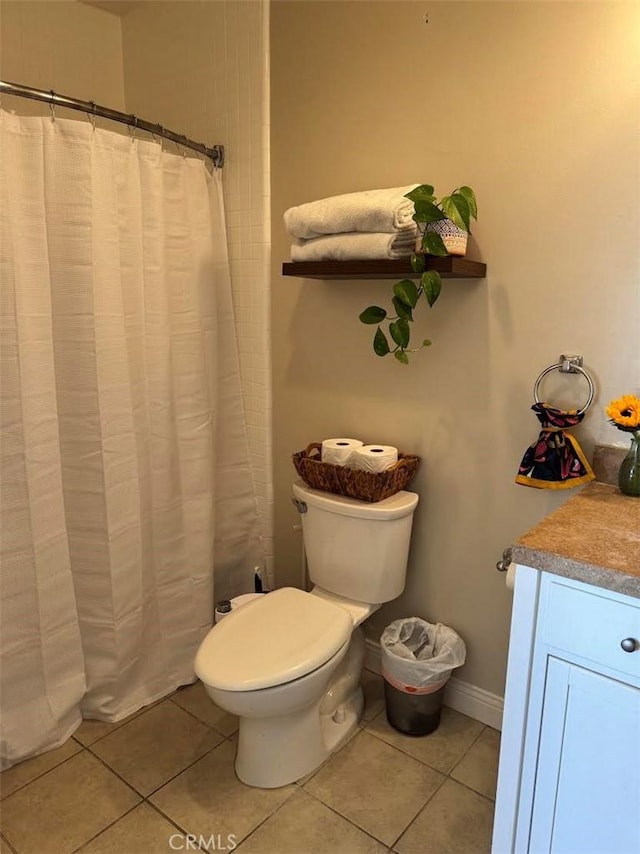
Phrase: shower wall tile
pixel 212 84
pixel 66 46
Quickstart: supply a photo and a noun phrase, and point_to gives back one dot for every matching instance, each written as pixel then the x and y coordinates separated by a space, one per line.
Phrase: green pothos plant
pixel 460 208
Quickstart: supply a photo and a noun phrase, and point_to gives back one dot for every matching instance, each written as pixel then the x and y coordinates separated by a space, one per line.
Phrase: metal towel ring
pixel 568 365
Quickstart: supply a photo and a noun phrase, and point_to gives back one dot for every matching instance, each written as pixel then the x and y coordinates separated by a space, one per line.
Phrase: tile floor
pixel 144 783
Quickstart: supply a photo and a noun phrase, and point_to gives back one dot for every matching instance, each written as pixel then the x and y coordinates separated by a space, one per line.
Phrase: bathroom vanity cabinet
pixel 569 778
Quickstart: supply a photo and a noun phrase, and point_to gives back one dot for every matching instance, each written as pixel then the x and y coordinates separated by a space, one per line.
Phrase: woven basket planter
pixel 454 238
pixel 341 480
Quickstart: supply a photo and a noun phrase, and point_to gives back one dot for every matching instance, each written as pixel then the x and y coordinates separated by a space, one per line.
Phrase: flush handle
pixel 503 565
pixel 301 506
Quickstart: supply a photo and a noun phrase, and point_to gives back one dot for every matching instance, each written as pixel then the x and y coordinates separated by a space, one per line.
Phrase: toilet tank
pixel 356 549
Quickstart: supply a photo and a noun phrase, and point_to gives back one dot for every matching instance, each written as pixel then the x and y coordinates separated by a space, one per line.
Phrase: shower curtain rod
pixel 216 153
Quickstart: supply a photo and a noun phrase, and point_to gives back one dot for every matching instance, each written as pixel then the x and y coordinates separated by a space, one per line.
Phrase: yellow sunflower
pixel 624 412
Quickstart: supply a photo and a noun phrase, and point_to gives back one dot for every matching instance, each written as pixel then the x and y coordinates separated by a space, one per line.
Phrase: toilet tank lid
pixel 272 640
pixel 401 504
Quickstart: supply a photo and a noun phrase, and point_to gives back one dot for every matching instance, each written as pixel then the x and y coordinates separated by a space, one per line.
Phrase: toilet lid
pixel 272 640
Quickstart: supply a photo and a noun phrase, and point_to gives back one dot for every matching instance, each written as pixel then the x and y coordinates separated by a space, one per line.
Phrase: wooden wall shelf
pixel 451 267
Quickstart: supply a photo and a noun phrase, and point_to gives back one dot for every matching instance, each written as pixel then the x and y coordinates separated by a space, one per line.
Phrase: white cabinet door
pixel 587 789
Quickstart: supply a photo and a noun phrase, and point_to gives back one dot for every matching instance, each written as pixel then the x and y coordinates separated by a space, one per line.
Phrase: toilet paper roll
pixel 374 458
pixel 510 579
pixel 338 451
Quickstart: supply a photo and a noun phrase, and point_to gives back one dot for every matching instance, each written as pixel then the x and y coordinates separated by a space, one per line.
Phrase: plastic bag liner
pixel 418 657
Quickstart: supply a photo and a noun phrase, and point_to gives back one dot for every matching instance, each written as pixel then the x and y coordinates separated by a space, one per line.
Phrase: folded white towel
pixel 372 210
pixel 354 246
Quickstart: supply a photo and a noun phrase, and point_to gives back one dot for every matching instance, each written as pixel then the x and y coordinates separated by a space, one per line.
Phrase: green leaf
pixel 380 343
pixel 405 331
pixel 402 310
pixel 400 332
pixel 433 245
pixel 395 334
pixel 427 212
pixel 426 343
pixel 470 196
pixel 417 262
pixel 401 356
pixel 432 285
pixel 422 193
pixel 407 292
pixel 456 208
pixel 373 314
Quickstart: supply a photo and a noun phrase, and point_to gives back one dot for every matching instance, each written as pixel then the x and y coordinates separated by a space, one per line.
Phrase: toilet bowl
pixel 298 699
pixel 289 663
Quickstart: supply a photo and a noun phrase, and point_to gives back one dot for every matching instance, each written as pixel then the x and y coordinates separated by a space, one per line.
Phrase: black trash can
pixel 413 714
pixel 417 661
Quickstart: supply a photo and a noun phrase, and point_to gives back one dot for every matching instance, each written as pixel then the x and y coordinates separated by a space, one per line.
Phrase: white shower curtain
pixel 125 474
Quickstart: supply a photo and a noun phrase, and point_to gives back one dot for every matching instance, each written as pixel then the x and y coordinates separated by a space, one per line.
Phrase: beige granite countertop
pixel 594 537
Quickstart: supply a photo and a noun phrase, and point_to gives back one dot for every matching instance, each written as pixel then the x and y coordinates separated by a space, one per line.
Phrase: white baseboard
pixel 461 696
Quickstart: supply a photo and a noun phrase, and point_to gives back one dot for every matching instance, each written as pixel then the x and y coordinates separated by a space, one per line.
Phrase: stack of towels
pixel 374 224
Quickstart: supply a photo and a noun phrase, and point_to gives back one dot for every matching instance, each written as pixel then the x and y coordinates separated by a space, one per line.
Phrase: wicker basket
pixel 364 485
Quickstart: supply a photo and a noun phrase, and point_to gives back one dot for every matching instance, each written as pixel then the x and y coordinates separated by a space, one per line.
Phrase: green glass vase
pixel 629 474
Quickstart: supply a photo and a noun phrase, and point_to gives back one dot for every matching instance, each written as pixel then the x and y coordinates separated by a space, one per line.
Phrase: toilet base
pixel 337 728
pixel 276 749
pixel 274 752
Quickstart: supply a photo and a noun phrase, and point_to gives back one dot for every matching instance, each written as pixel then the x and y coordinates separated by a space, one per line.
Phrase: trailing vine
pixel 459 208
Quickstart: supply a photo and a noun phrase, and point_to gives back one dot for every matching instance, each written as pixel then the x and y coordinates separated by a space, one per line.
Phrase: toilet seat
pixel 272 640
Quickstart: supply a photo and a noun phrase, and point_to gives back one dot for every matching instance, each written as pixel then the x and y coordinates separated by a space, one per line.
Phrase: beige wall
pixel 201 68
pixel 66 46
pixel 534 105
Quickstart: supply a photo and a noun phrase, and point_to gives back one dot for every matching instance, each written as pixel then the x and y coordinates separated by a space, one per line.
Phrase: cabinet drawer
pixel 591 625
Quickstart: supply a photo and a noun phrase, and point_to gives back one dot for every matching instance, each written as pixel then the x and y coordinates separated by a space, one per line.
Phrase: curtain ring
pixel 132 127
pixel 158 137
pixel 92 115
pixel 52 109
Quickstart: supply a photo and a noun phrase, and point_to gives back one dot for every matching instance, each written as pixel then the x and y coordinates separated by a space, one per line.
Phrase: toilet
pixel 289 664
